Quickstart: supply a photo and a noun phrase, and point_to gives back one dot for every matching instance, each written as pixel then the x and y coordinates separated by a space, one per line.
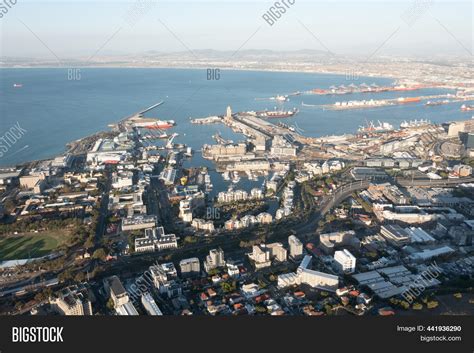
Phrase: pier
pixel 121 123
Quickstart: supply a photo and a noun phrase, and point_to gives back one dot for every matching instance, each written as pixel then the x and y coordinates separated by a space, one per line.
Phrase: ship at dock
pixel 204 121
pixel 275 114
pixel 405 100
pixel 371 127
pixel 435 103
pixel 415 123
pixel 467 108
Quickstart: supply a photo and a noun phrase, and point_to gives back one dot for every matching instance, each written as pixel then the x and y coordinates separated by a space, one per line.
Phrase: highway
pixel 433 182
pixel 103 210
pixel 331 201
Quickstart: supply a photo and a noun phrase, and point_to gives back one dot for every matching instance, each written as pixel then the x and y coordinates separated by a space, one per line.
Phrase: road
pixel 329 202
pixel 103 209
pixel 230 243
pixel 433 182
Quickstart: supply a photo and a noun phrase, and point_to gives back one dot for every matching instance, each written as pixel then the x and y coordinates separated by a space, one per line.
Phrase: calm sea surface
pixel 55 110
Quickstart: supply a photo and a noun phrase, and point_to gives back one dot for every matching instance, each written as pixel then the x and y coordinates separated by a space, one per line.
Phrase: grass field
pixel 28 245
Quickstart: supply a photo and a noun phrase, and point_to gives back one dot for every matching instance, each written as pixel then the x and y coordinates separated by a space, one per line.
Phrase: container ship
pixel 272 114
pixel 154 124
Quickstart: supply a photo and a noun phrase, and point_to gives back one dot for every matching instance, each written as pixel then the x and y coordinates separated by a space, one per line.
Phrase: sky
pixel 84 28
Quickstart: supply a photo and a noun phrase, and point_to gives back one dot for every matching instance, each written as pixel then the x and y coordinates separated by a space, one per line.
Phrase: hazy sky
pixel 82 28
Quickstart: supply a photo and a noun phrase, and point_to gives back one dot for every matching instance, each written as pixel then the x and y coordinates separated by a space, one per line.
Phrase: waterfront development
pixel 221 202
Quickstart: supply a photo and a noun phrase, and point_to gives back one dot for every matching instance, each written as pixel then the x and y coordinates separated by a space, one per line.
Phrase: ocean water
pixel 55 110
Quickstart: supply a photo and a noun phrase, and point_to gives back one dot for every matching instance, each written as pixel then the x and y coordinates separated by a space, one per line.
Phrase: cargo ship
pixel 435 103
pixel 274 114
pixel 154 124
pixel 406 88
pixel 404 100
pixel 467 108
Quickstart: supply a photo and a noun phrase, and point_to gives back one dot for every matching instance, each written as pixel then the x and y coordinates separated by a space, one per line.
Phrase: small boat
pixel 280 98
pixel 235 177
pixel 17 85
pixel 467 108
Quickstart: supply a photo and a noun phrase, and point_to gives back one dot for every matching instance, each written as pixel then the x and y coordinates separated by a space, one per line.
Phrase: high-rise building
pixel 150 305
pixel 73 300
pixel 190 267
pixel 277 251
pixel 345 261
pixel 260 256
pixel 296 247
pixel 117 292
pixel 215 259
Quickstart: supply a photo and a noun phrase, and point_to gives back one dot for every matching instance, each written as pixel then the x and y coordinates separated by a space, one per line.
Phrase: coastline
pixel 69 146
pixel 184 67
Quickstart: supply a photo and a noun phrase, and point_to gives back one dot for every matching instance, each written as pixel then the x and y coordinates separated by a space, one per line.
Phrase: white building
pixel 190 266
pixel 296 247
pixel 201 224
pixel 345 261
pixel 122 180
pixel 150 305
pixel 260 256
pixel 155 239
pixel 277 251
pixel 214 260
pixel 304 275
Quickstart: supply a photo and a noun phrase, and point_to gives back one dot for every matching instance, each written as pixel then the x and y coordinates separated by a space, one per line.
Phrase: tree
pixel 328 309
pixel 110 304
pixel 79 277
pixel 190 239
pixel 65 276
pixel 99 254
pixel 228 286
pixel 89 242
pixel 213 272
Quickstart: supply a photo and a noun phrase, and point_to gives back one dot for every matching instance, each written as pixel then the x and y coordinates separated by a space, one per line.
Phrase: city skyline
pixel 195 160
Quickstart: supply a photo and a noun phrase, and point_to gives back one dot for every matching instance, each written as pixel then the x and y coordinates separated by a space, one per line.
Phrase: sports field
pixel 29 245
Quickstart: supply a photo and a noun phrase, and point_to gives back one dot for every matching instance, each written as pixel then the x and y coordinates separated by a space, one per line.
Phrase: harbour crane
pixel 169 143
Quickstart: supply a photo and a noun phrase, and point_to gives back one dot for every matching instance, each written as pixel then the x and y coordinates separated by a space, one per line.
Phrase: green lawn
pixel 27 246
